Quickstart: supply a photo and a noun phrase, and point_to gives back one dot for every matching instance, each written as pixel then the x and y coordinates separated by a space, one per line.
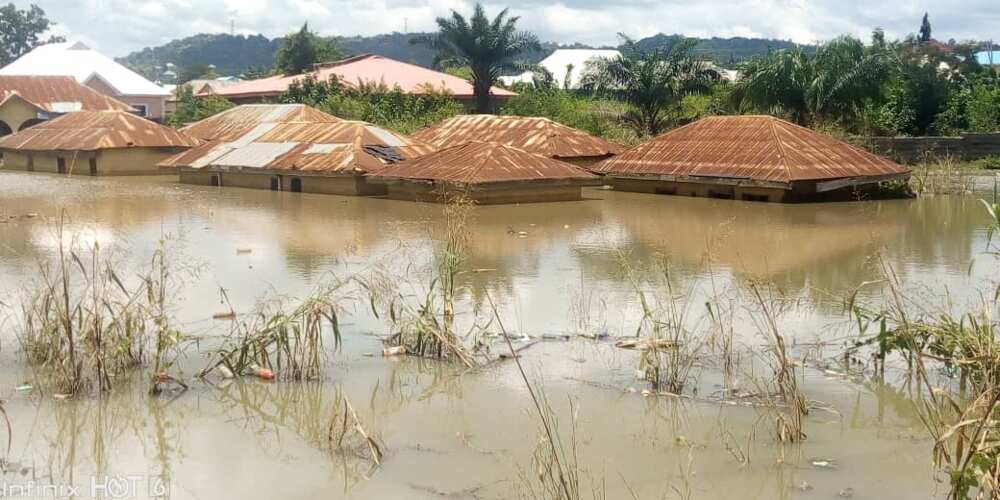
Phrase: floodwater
pixel 452 433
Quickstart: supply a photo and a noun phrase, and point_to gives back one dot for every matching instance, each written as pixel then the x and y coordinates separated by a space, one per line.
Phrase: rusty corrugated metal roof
pixel 326 146
pixel 236 122
pixel 57 94
pixel 94 130
pixel 533 134
pixel 477 163
pixel 761 148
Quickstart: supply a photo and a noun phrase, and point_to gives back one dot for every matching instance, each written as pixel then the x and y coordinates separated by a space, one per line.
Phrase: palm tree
pixel 833 84
pixel 651 82
pixel 486 47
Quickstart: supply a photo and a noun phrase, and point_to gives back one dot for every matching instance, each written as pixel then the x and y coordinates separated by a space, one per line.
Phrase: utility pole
pixel 406 25
pixel 232 27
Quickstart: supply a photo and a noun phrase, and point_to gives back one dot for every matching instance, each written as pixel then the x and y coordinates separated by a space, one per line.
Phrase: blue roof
pixel 984 57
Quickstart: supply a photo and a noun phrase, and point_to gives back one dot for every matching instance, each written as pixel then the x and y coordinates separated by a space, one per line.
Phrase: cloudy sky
pixel 118 27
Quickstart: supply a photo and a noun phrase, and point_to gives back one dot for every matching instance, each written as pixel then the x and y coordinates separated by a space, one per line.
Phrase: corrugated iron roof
pixel 366 68
pixel 94 130
pixel 477 163
pixel 761 148
pixel 57 94
pixel 532 134
pixel 337 146
pixel 236 122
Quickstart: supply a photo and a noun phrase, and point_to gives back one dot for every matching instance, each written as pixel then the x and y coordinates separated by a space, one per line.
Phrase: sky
pixel 118 27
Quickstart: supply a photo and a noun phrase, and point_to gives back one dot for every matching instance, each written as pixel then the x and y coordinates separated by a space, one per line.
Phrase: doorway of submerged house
pixel 275 183
pixel 295 185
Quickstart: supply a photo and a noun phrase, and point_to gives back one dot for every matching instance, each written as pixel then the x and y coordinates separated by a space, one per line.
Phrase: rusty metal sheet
pixel 532 134
pixel 478 163
pixel 286 139
pixel 236 122
pixel 57 94
pixel 93 130
pixel 758 148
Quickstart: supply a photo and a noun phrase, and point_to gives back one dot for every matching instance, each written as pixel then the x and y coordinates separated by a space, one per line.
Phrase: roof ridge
pixel 781 148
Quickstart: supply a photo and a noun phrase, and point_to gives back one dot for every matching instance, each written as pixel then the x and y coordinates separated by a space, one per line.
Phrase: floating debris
pixel 644 344
pixel 24 388
pixel 399 350
pixel 804 486
pixel 846 493
pixel 225 316
pixel 244 251
pixel 823 463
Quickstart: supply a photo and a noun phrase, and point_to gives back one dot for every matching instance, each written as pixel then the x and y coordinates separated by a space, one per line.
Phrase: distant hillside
pixel 724 51
pixel 235 55
pixel 230 54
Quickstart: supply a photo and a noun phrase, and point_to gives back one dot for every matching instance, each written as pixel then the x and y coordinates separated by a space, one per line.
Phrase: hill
pixel 236 55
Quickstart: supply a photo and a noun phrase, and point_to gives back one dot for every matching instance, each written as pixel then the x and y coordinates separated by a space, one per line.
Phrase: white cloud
pixel 118 27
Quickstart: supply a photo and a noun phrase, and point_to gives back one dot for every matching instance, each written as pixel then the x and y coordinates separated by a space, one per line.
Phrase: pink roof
pixel 366 68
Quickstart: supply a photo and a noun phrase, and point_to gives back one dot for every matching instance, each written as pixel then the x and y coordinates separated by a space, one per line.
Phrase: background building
pixel 96 71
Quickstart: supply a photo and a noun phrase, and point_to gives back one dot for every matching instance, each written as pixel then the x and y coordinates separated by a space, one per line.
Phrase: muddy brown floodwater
pixel 553 269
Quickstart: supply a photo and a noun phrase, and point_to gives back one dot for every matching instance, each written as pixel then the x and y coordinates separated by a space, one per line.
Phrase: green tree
pixel 925 29
pixel 652 82
pixel 832 86
pixel 191 108
pixel 486 47
pixel 302 50
pixel 21 31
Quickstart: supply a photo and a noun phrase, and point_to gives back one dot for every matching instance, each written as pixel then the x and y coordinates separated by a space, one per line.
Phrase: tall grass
pixel 286 337
pixel 83 326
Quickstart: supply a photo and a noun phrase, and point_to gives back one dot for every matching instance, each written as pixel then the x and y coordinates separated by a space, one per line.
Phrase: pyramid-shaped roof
pixel 338 146
pixel 533 134
pixel 760 148
pixel 236 122
pixel 94 130
pixel 478 163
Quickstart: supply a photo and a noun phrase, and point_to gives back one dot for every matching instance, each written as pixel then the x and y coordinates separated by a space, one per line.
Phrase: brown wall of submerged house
pixel 486 195
pixel 800 192
pixel 132 161
pixel 348 185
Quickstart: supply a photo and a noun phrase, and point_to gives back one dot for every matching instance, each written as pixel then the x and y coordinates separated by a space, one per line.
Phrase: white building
pixel 562 63
pixel 94 70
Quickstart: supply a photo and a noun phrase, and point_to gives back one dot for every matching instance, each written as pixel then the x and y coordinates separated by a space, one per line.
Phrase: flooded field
pixel 567 275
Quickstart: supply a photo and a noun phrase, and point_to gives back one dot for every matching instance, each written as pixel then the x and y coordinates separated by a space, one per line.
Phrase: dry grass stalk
pixel 346 433
pixel 427 328
pixel 791 404
pixel 671 348
pixel 287 340
pixel 83 325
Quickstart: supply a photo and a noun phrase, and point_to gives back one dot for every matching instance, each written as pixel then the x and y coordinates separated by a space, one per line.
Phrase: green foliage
pixel 486 46
pixel 377 104
pixel 984 109
pixel 833 85
pixel 652 83
pixel 597 116
pixel 301 50
pixel 191 109
pixel 21 31
pixel 925 29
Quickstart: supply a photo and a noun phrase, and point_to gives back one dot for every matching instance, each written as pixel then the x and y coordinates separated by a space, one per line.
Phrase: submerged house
pixel 93 143
pixel 532 134
pixel 95 70
pixel 290 148
pixel 365 69
pixel 754 158
pixel 30 100
pixel 485 173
